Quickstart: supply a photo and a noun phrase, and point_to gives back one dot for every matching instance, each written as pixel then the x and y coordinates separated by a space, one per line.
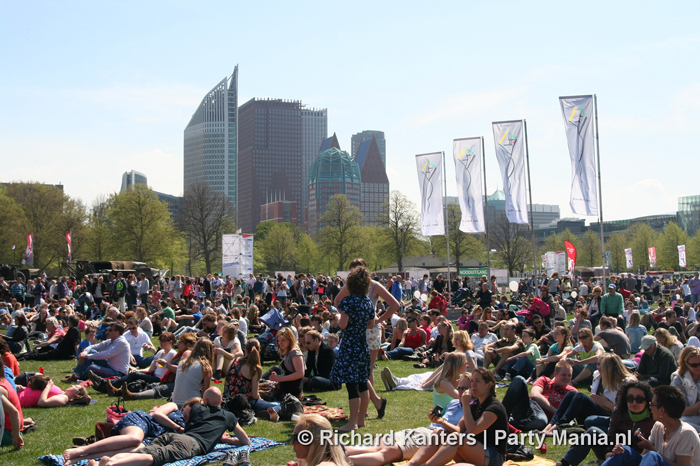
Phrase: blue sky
pixel 92 89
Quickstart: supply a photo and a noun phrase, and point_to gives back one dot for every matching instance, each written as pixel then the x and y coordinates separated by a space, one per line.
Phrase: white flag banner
pixel 237 255
pixel 681 256
pixel 510 151
pixel 469 173
pixel 430 181
pixel 628 258
pixel 578 120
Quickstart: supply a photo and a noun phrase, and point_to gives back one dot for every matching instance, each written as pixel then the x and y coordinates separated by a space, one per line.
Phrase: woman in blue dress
pixel 353 363
pixel 137 427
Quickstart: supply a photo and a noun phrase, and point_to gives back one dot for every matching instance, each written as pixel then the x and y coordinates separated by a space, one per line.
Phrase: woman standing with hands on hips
pixel 352 366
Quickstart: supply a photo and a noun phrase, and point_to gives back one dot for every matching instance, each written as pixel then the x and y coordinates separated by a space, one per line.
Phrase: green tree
pixel 463 246
pixel 643 237
pixel 667 252
pixel 142 228
pixel 555 242
pixel 402 227
pixel 616 244
pixel 589 252
pixel 14 230
pixel 339 237
pixel 279 248
pixel 99 230
pixel 205 216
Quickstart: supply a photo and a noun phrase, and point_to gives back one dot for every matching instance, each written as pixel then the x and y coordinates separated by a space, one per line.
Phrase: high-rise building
pixel 314 127
pixel 131 179
pixel 689 214
pixel 375 184
pixel 357 139
pixel 333 172
pixel 269 156
pixel 211 140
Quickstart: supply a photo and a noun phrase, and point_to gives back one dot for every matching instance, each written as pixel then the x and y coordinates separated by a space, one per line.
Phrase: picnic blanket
pixel 218 455
pixel 332 414
pixel 537 461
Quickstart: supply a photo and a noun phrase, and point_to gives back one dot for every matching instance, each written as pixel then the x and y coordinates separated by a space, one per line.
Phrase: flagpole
pixel 600 185
pixel 447 225
pixel 486 201
pixel 529 189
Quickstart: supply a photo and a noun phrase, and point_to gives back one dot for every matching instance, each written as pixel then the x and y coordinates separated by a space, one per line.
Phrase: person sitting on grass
pixel 60 345
pixel 405 445
pixel 42 393
pixel 671 442
pixel 206 426
pixel 227 347
pixel 411 339
pixel 13 418
pixel 133 430
pixel 107 359
pixel 584 357
pixel 244 375
pixel 559 351
pixel 523 363
pixel 499 352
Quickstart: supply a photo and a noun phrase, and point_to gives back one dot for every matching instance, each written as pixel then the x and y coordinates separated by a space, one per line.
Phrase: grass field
pixel 57 426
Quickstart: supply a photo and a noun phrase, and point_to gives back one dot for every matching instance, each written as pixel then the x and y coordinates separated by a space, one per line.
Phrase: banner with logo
pixel 432 220
pixel 555 262
pixel 570 256
pixel 237 255
pixel 652 257
pixel 681 256
pixel 628 258
pixel 510 152
pixel 70 252
pixel 578 121
pixel 29 253
pixel 607 260
pixel 469 174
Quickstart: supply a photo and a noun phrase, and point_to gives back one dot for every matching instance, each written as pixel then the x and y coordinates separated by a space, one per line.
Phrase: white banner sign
pixel 555 262
pixel 510 151
pixel 628 258
pixel 430 181
pixel 468 171
pixel 681 256
pixel 237 255
pixel 578 120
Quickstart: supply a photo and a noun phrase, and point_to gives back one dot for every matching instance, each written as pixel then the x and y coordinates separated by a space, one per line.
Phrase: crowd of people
pixel 629 341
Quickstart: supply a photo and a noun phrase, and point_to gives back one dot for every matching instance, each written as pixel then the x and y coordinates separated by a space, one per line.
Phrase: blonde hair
pixel 635 319
pixel 669 339
pixel 320 452
pixel 453 366
pixel 462 340
pixel 402 324
pixel 612 372
pixel 686 355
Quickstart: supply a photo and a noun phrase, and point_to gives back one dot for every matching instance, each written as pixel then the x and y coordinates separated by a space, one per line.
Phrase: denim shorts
pixel 492 457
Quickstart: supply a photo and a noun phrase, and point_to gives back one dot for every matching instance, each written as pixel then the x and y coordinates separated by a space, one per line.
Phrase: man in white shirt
pixel 138 340
pixel 142 288
pixel 480 339
pixel 107 359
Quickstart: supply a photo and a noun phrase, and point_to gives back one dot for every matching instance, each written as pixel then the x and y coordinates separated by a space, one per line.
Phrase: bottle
pixel 543 449
pixel 41 370
pixel 292 463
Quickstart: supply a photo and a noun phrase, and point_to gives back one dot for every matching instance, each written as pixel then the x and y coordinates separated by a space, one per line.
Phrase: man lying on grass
pixel 206 426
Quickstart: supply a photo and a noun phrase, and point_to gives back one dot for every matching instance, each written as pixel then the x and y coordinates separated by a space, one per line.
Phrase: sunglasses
pixel 694 365
pixel 636 399
pixel 295 438
pixel 582 337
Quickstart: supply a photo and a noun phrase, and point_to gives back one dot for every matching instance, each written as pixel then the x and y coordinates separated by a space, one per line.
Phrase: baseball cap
pixel 647 341
pixel 612 287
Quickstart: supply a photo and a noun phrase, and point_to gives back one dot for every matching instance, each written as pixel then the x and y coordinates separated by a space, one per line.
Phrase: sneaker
pixel 385 379
pixel 390 382
pixel 506 378
pixel 244 457
pixel 231 458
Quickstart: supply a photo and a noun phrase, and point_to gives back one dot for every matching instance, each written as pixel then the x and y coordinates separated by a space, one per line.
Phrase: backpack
pixel 290 406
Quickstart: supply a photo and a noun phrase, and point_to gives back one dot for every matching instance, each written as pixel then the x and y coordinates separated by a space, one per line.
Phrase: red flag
pixel 68 240
pixel 571 256
pixel 29 253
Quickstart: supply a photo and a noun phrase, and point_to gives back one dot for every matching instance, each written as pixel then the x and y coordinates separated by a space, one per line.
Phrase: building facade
pixel 333 172
pixel 689 214
pixel 314 127
pixel 374 203
pixel 211 140
pixel 269 156
pixel 357 139
pixel 131 179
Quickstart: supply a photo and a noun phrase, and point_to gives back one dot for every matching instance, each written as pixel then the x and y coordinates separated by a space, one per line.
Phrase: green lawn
pixel 57 426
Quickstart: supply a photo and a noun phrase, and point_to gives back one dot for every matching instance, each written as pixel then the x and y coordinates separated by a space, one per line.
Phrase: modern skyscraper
pixel 314 127
pixel 375 184
pixel 333 172
pixel 132 178
pixel 269 156
pixel 367 134
pixel 211 140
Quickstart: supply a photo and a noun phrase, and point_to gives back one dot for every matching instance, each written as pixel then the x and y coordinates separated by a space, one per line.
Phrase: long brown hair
pixel 203 352
pixel 252 358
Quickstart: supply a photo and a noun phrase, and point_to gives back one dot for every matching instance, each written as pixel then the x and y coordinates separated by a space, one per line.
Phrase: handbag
pixel 116 411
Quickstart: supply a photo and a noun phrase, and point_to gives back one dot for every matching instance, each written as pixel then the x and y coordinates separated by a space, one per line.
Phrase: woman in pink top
pixel 41 392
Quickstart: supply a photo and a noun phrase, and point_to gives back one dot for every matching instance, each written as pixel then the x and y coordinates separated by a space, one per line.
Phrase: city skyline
pixel 122 102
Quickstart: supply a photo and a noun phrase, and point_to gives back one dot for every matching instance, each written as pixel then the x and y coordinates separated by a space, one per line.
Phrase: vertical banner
pixel 578 121
pixel 628 258
pixel 70 252
pixel 29 253
pixel 469 173
pixel 570 256
pixel 237 255
pixel 432 220
pixel 607 262
pixel 681 256
pixel 652 257
pixel 510 151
